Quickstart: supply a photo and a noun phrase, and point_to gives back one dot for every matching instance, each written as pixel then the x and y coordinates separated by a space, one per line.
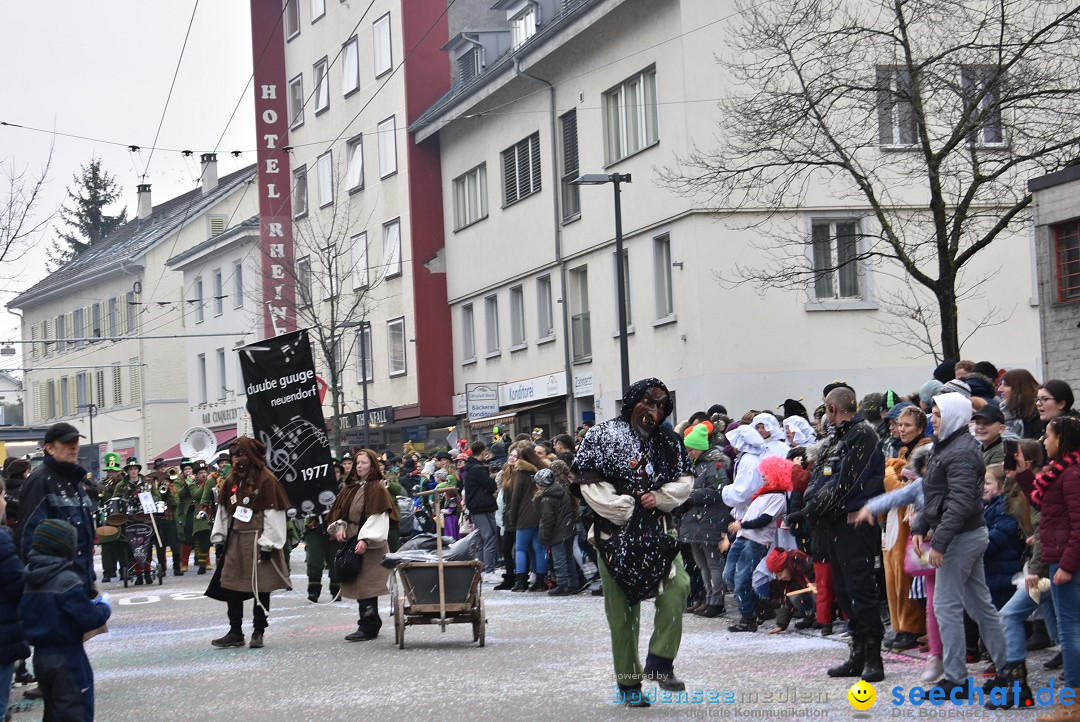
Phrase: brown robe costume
pixel 907 614
pixel 354 504
pixel 239 569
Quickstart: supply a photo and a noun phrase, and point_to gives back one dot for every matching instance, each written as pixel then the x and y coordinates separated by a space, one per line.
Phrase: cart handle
pixel 444 490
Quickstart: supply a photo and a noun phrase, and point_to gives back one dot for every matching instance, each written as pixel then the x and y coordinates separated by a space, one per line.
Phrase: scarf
pixel 1050 474
pixel 68 471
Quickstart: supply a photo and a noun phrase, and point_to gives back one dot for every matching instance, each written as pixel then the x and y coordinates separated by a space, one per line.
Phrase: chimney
pixel 145 208
pixel 209 171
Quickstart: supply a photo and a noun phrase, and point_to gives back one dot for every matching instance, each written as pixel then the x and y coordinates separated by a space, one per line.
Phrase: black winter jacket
pixel 480 488
pixel 13 646
pixel 704 517
pixel 557 515
pixel 849 472
pixel 1003 557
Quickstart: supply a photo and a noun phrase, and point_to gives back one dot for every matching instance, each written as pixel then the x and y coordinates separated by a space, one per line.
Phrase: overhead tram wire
pixel 172 85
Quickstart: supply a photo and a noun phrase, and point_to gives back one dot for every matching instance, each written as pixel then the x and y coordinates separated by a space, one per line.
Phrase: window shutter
pixel 534 152
pixel 36 415
pixel 69 324
pixel 118 391
pixel 217 225
pixel 72 398
pixel 136 386
pixel 34 346
pixel 885 102
pixel 522 163
pixel 100 384
pixel 509 176
pixel 570 144
pixel 121 306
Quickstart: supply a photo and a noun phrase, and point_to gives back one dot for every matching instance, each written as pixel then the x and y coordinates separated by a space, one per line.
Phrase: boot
pixel 21 675
pixel 540 584
pixel 827 629
pixel 855 663
pixel 662 671
pixel 695 607
pixel 1058 713
pixel 256 640
pixel 935 668
pixel 1054 662
pixel 506 584
pixel 334 589
pixel 185 554
pixel 138 579
pixel 1039 638
pixel 313 592
pixel 521 583
pixel 746 624
pixel 1012 673
pixel 632 697
pixel 149 577
pixel 232 639
pixel 711 610
pixel 874 669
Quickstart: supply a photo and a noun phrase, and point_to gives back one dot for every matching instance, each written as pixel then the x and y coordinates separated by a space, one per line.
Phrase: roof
pixel 1057 178
pixel 238 230
pixel 132 239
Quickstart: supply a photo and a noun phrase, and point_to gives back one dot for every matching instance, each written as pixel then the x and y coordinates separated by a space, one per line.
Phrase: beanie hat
pixel 54 538
pixel 697 437
pixel 544 478
pixel 776 560
pixel 956 386
pixel 946 371
pixel 929 390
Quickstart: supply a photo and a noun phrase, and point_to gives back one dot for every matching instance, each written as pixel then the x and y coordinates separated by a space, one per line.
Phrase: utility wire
pixel 146 169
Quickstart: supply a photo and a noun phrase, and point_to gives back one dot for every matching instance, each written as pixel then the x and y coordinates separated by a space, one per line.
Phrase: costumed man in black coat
pixel 632 471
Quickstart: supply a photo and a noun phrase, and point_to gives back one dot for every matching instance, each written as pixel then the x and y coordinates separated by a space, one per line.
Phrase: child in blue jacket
pixel 57 613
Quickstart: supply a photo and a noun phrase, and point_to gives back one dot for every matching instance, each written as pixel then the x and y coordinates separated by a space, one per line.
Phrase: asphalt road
pixel 544 659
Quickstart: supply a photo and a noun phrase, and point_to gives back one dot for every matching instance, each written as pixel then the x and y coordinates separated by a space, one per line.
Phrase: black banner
pixel 283 400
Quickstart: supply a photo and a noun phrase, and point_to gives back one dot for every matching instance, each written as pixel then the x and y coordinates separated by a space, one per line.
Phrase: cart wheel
pixel 479 624
pixel 399 622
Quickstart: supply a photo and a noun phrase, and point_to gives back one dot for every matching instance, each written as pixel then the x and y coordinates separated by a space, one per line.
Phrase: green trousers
pixel 625 623
pixel 170 539
pixel 320 555
pixel 115 558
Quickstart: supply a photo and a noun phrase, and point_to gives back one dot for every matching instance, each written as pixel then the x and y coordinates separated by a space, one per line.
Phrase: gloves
pixel 265 554
pixel 202 516
pixel 796 517
pixel 219 551
pixel 103 601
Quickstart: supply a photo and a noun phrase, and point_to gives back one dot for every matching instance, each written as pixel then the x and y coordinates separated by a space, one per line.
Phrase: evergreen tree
pixel 84 213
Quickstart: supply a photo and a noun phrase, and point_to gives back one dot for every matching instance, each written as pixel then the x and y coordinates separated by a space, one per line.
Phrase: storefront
pixel 538 405
pixel 385 432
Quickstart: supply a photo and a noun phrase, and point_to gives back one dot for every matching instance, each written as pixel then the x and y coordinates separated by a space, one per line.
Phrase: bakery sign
pixel 535 389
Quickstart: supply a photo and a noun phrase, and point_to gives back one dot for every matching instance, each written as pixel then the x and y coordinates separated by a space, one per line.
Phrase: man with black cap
pixel 54 491
pixel 633 464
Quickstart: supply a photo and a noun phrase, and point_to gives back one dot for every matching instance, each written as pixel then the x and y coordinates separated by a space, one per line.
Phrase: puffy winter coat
pixel 522 513
pixel 1059 524
pixel 557 515
pixel 704 517
pixel 480 488
pixel 13 646
pixel 1003 557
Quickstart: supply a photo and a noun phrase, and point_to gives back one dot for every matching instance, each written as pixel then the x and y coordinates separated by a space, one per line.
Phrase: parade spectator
pixel 56 614
pixel 1019 389
pixel 959 538
pixel 558 514
pixel 989 426
pixel 890 445
pixel 704 518
pixel 480 491
pixel 13 647
pixel 747 479
pixel 799 432
pixel 526 522
pixel 963 368
pixel 505 480
pixel 773 433
pixel 792 569
pixel 249 531
pixel 54 491
pixel 1003 558
pixel 1055 398
pixel 363 515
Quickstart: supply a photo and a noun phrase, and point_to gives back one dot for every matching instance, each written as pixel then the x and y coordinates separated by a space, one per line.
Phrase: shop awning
pixel 173 453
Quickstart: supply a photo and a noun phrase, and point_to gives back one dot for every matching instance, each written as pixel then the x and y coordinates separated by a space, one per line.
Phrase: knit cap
pixel 544 478
pixel 697 437
pixel 929 390
pixel 776 560
pixel 55 538
pixel 957 386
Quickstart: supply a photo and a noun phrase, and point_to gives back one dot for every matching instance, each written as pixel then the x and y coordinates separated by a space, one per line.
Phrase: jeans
pixel 743 558
pixel 959 586
pixel 1015 613
pixel 1067 606
pixel 485 524
pixel 710 561
pixel 562 556
pixel 530 548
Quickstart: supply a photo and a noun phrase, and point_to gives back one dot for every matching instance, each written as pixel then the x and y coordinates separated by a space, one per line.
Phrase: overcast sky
pixel 103 70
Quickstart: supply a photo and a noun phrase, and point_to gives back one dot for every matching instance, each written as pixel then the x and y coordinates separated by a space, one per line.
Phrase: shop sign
pixel 481 400
pixel 583 385
pixel 541 387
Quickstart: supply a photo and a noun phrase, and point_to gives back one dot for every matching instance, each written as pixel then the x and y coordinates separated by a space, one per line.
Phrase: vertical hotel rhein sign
pixel 275 185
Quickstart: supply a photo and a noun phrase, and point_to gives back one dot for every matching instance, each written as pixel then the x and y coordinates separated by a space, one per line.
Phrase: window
pixel 626 288
pixel 296 101
pixel 82 391
pixel 292 18
pixel 395 343
pixel 545 323
pixel 383 54
pixel 350 66
pixel 897 126
pixel 299 191
pixel 360 261
pixel 200 366
pixel 330 272
pixel 196 301
pixel 133 379
pixel 321 81
pixel 65 405
pixel 219 293
pixel 1067 254
pixel 387 147
pixel 61 334
pixel 491 325
pixel 392 248
pixel 468 334
pixel 981 85
pixel 303 281
pixel 99 388
pixel 117 387
pixel 96 312
pixel 79 320
pixel 238 284
pixel 318 9
pixel 222 386
pixel 521 169
pixel 354 172
pixel 835 256
pixel 132 313
pixel 517 317
pixel 665 303
pixel 523 27
pixel 571 194
pixel 365 367
pixel 338 371
pixel 324 167
pixel 580 325
pixel 630 116
pixel 470 197
pixel 469 65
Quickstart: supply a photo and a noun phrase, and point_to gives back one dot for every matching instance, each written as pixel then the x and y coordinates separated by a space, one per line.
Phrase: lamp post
pixel 616 180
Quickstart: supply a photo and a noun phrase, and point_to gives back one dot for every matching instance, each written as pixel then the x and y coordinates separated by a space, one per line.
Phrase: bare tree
pixel 20 221
pixel 925 117
pixel 336 288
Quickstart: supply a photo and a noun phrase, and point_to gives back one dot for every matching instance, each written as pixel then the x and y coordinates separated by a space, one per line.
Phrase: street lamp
pixel 616 180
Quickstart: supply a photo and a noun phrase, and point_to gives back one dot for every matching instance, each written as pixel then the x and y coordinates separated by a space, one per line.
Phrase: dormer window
pixel 523 26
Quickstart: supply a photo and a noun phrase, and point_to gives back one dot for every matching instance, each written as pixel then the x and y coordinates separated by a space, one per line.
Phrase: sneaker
pixel 559 592
pixel 904 641
pixel 827 629
pixel 1054 662
pixel 232 639
pixel 934 668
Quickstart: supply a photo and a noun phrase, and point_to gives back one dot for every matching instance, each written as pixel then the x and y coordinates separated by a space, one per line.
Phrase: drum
pixel 116 512
pixel 106 530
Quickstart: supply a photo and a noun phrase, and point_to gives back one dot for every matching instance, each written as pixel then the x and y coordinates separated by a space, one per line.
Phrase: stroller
pixel 140 535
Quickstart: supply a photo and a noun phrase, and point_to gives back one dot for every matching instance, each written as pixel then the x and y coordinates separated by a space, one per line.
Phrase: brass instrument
pixel 173 473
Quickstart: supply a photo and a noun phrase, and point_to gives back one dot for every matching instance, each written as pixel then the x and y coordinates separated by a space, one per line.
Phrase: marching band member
pixel 167 526
pixel 115 553
pixel 194 519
